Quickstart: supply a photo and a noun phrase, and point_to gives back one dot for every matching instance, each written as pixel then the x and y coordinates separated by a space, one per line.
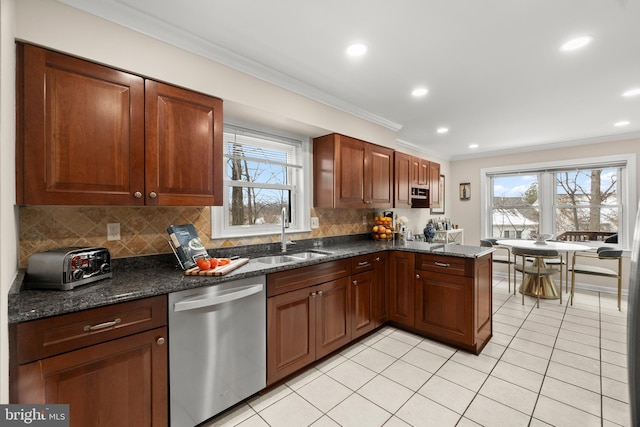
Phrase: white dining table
pixel 548 288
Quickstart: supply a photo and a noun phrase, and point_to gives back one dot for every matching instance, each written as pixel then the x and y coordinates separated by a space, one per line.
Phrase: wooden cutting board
pixel 218 271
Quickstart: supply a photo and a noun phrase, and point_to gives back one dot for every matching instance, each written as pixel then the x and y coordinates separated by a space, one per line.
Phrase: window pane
pixel 515 210
pixel 587 204
pixel 250 170
pixel 257 206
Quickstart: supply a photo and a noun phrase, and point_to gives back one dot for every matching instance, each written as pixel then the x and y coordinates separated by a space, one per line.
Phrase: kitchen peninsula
pixel 439 291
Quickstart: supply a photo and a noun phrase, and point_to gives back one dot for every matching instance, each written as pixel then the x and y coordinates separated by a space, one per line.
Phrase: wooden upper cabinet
pixel 351 173
pixel 82 131
pixel 82 137
pixel 434 185
pixel 183 147
pixel 403 177
pixel 423 178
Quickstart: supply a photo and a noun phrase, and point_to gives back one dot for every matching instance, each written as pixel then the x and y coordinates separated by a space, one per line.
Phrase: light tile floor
pixel 558 365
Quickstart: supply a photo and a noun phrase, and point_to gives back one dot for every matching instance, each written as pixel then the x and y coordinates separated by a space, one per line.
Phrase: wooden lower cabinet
pixel 362 290
pixel 306 324
pixel 109 364
pixel 401 288
pixel 380 304
pixel 443 297
pixel 444 306
pixel 118 383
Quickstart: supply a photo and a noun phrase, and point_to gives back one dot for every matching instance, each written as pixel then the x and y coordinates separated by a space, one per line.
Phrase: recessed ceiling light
pixel 622 123
pixel 472 146
pixel 442 130
pixel 357 49
pixel 576 43
pixel 420 91
pixel 632 92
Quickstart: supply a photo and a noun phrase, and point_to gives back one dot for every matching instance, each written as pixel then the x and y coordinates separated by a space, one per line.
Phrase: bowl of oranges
pixel 382 229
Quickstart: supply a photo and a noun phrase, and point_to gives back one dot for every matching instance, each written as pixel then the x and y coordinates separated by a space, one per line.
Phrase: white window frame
pixel 546 186
pixel 300 220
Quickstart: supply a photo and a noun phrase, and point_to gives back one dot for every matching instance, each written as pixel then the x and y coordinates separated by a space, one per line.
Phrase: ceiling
pixel 493 69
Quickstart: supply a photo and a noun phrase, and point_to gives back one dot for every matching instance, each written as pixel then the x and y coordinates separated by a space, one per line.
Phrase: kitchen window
pixel 589 201
pixel 265 171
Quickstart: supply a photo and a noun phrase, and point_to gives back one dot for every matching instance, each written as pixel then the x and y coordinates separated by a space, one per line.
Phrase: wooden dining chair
pixel 538 268
pixel 501 259
pixel 610 256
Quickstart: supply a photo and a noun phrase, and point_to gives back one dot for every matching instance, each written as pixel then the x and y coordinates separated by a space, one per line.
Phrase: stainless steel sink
pixel 296 257
pixel 277 259
pixel 309 255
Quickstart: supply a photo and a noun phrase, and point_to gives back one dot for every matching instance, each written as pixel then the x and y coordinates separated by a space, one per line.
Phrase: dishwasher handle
pixel 209 301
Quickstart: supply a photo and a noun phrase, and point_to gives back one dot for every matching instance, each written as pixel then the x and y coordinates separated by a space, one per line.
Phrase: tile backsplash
pixel 143 229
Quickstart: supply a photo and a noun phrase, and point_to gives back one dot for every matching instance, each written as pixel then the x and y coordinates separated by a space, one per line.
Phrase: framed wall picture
pixel 465 191
pixel 440 210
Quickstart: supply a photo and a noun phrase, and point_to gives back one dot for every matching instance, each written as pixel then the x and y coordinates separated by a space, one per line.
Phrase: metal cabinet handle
pixel 160 340
pixel 363 263
pixel 442 264
pixel 355 282
pixel 417 276
pixel 377 258
pixel 104 325
pixel 137 194
pixel 312 294
pixel 319 293
pixel 153 194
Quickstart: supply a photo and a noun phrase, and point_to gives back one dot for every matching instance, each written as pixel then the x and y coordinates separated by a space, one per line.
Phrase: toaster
pixel 66 268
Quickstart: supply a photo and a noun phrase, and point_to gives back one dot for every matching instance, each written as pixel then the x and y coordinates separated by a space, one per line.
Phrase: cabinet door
pixel 333 319
pixel 80 131
pixel 351 173
pixel 444 306
pixel 118 383
pixel 362 290
pixel 380 288
pixel 403 164
pixel 424 172
pixel 434 185
pixel 291 333
pixel 184 163
pixel 379 177
pixel 401 288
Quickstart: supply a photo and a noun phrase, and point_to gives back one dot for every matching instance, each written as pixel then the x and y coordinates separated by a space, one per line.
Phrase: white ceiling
pixel 495 74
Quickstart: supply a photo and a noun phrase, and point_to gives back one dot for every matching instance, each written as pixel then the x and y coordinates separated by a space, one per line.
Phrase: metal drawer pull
pixel 160 340
pixel 355 282
pixel 442 264
pixel 320 293
pixel 363 263
pixel 102 325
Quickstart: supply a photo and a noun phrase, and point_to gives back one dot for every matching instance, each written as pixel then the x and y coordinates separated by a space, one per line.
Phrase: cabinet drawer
pixel 291 280
pixel 55 335
pixel 445 264
pixel 363 263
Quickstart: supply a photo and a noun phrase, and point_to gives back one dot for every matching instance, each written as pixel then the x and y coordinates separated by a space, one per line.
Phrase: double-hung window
pixel 264 173
pixel 590 200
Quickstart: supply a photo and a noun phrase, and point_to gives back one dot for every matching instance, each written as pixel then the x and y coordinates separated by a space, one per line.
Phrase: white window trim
pixel 628 182
pixel 300 209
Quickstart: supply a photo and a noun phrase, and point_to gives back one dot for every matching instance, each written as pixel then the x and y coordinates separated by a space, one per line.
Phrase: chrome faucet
pixel 283 237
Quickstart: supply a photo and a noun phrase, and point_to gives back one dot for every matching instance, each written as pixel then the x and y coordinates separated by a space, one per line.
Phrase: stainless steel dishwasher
pixel 217 348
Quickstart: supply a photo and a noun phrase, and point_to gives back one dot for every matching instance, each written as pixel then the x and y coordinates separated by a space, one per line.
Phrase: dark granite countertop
pixel 147 276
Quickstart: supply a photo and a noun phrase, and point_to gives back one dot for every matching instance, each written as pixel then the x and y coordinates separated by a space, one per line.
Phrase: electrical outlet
pixel 364 220
pixel 113 231
pixel 314 222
